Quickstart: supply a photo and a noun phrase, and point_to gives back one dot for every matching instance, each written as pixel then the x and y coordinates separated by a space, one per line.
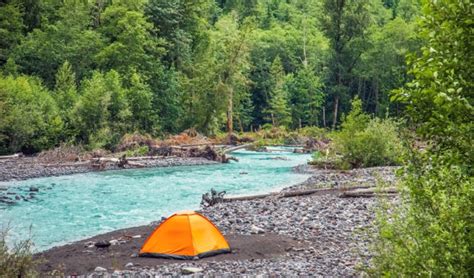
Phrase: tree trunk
pixel 324 116
pixel 230 120
pixel 240 124
pixel 336 105
pixel 376 96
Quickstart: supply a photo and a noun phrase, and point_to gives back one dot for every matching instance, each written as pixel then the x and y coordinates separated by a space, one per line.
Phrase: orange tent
pixel 185 235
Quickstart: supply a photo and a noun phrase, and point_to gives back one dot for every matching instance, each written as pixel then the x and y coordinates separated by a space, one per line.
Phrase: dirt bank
pixel 83 257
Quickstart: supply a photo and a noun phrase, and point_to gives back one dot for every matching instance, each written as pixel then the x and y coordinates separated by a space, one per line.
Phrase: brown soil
pixel 78 259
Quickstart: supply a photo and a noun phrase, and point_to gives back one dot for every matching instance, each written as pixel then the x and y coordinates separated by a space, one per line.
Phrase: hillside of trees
pixel 88 72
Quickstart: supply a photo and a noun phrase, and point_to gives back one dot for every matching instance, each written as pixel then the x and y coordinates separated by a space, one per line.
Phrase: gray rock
pixel 128 265
pixel 256 230
pixel 191 270
pixel 102 244
pixel 100 269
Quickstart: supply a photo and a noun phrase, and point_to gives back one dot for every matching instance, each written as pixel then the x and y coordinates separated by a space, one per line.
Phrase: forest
pixel 88 72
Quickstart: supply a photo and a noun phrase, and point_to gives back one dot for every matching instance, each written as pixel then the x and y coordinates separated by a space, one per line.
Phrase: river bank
pixel 23 168
pixel 318 235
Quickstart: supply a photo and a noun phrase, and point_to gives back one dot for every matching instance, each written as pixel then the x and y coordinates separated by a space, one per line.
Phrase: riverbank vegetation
pixel 431 232
pixel 17 261
pixel 363 141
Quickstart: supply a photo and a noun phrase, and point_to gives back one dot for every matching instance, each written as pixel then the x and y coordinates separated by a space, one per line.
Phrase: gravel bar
pixel 331 232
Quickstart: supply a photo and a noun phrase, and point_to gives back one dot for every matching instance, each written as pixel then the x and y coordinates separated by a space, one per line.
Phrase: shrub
pixel 18 261
pixel 431 233
pixel 29 117
pixel 312 131
pixel 138 151
pixel 366 142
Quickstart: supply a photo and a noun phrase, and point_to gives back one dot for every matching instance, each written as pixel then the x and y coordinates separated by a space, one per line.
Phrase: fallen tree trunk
pixel 363 191
pixel 368 193
pixel 135 164
pixel 74 164
pixel 105 159
pixel 231 149
pixel 13 156
pixel 134 158
pixel 283 194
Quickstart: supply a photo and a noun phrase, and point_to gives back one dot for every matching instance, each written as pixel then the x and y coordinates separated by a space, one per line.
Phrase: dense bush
pixel 29 117
pixel 18 261
pixel 431 232
pixel 366 142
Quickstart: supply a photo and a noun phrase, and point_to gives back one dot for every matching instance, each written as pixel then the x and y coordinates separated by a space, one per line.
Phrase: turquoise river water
pixel 73 207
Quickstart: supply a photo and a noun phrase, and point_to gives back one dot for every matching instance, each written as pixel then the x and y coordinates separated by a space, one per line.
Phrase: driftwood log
pixel 211 198
pixel 362 191
pixel 72 164
pixel 231 149
pixel 282 194
pixel 368 192
pixel 13 156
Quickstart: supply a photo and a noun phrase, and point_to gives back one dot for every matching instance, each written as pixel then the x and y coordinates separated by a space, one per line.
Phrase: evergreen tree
pixel 11 28
pixel 65 89
pixel 344 23
pixel 306 97
pixel 91 110
pixel 66 96
pixel 278 105
pixel 139 98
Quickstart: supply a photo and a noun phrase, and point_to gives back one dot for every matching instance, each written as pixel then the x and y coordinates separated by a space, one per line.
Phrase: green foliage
pixel 344 23
pixel 138 151
pixel 139 98
pixel 11 29
pixel 10 67
pixel 278 104
pixel 167 66
pixel 430 232
pixel 130 44
pixel 306 97
pixel 29 117
pixel 312 131
pixel 44 50
pixel 366 142
pixel 65 94
pixel 102 114
pixel 17 261
pixel 383 67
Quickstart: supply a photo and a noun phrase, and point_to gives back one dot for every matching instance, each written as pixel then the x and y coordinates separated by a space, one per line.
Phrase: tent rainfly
pixel 185 235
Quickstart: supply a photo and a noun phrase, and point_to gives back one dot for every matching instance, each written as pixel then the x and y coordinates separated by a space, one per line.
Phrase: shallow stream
pixel 73 207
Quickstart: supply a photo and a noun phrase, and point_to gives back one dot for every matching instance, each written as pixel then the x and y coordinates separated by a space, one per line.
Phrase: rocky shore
pixel 314 235
pixel 31 167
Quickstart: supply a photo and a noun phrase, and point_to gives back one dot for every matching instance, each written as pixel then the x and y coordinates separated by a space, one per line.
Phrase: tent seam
pixel 192 239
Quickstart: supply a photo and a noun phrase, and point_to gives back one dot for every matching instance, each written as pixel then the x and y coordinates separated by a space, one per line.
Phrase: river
pixel 73 207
